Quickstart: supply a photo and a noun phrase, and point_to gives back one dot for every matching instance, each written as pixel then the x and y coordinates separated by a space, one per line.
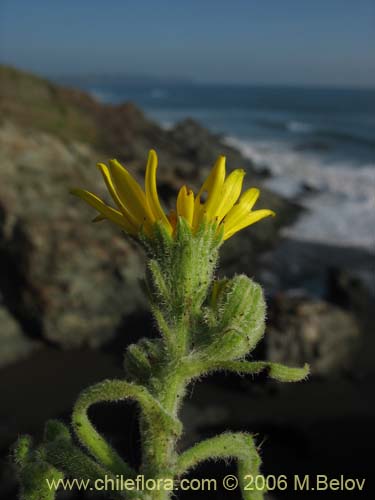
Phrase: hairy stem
pixel 159 444
pixel 115 390
pixel 239 446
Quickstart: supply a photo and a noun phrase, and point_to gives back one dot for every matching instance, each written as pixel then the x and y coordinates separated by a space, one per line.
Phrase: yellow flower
pixel 138 210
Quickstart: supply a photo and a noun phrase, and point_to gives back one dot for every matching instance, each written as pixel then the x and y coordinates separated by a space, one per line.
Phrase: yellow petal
pixel 249 219
pixel 242 208
pixel 230 193
pixel 249 198
pixel 151 190
pixel 212 185
pixel 214 190
pixel 104 210
pixel 131 194
pixel 185 204
pixel 111 188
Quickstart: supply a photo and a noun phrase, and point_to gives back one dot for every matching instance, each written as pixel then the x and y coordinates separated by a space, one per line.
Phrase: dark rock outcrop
pixel 308 330
pixel 14 344
pixel 65 280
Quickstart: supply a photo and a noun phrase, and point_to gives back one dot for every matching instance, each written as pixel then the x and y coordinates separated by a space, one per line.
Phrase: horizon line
pixel 186 80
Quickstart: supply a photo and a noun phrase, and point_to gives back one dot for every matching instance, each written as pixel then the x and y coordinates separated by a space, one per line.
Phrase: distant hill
pixel 37 103
pixel 71 114
pixel 120 130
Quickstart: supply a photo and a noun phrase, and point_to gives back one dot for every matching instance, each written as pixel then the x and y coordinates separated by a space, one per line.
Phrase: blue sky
pixel 304 42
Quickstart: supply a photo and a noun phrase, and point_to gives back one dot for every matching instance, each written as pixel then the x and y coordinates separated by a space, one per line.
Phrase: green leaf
pixel 275 371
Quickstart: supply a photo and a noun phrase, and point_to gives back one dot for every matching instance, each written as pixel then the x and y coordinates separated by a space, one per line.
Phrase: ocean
pixel 318 144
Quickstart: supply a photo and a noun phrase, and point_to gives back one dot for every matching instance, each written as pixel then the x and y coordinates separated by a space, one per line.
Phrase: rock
pixel 191 141
pixel 309 188
pixel 72 115
pixel 264 171
pixel 120 131
pixel 305 330
pixel 65 280
pixel 317 267
pixel 14 344
pixel 242 253
pixel 351 289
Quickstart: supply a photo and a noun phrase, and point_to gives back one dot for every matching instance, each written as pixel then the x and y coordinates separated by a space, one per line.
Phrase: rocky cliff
pixel 65 281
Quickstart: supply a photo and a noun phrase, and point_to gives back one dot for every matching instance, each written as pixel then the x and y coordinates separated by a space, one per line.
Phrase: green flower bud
pixel 141 359
pixel 241 307
pixel 236 319
pixel 22 449
pixel 55 430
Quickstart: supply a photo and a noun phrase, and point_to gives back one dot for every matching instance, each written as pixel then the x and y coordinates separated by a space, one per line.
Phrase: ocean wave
pixel 287 125
pixel 341 201
pixel 344 137
pixel 301 127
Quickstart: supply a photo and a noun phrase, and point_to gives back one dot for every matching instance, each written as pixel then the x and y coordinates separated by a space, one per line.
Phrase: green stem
pixel 115 390
pixel 159 445
pixel 239 446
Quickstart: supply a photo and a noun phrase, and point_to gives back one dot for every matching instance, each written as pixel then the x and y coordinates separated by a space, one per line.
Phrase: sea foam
pixel 339 196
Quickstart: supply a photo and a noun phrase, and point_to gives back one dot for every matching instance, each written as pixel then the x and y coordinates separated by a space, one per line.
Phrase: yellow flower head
pixel 139 209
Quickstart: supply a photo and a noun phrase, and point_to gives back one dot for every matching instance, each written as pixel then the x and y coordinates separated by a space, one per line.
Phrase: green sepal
pixel 180 269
